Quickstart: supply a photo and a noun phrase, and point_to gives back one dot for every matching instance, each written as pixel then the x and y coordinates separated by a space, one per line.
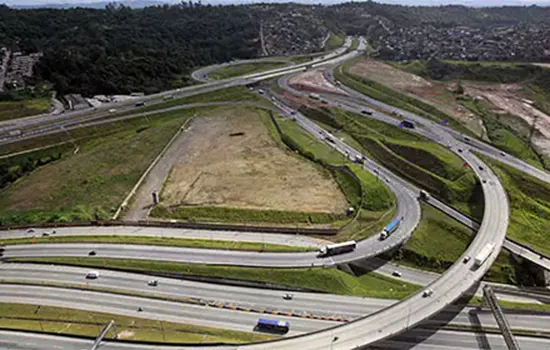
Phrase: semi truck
pixel 338 248
pixel 388 230
pixel 484 254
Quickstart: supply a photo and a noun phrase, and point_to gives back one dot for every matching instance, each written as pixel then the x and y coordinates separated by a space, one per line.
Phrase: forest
pixel 119 50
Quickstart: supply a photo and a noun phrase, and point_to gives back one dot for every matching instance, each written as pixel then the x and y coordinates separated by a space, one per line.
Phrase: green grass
pixel 242 215
pixel 330 280
pixel 439 241
pixel 243 69
pixel 378 202
pixel 19 109
pixel 354 44
pixel 161 241
pixel 94 181
pixel 529 200
pixel 513 305
pixel 334 41
pixel 65 321
pixel 230 94
pixel 392 97
pixel 413 157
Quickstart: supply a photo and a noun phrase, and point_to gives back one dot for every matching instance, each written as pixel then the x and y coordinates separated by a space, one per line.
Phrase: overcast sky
pixel 405 2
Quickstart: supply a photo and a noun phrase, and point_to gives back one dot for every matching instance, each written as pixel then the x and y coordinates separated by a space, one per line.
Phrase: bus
pixel 388 230
pixel 338 248
pixel 273 325
pixel 484 254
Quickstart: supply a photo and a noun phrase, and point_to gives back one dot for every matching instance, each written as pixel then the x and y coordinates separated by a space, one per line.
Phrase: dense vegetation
pixel 120 50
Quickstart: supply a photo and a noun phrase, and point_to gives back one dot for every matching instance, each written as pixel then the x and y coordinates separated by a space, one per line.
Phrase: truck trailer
pixel 484 254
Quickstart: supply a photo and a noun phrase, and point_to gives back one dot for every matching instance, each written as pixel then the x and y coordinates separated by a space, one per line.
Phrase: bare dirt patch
pixel 435 93
pixel 246 170
pixel 315 81
pixel 506 98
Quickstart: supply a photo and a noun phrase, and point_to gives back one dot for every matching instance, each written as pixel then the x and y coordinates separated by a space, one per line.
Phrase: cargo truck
pixel 484 254
pixel 388 230
pixel 338 248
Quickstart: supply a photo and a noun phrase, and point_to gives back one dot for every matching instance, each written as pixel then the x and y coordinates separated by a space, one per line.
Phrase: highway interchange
pixel 393 320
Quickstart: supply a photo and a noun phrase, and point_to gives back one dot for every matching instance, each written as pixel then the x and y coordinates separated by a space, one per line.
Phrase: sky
pixel 475 3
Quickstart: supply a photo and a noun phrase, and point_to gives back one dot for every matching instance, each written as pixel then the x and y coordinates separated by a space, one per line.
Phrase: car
pixel 484 181
pixel 466 138
pixel 364 111
pixel 261 91
pixel 460 150
pixel 30 230
pixel 480 167
pixel 396 273
pixel 288 296
pixel 153 283
pixel 293 112
pixel 45 234
pixel 112 110
pixel 427 293
pixel 503 154
pixel 92 253
pixel 92 275
pixel 467 258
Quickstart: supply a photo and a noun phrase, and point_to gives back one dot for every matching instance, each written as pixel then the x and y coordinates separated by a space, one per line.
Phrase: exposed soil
pixel 437 94
pixel 246 170
pixel 314 80
pixel 506 98
pixel 125 334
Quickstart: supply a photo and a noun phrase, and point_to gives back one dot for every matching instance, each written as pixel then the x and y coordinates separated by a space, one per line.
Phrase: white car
pixel 153 283
pixel 287 296
pixel 396 273
pixel 92 275
pixel 427 293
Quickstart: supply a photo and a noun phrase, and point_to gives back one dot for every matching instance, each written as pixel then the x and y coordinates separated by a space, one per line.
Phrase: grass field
pixel 377 202
pixel 330 280
pixel 529 200
pixel 244 68
pixel 65 321
pixel 92 182
pixel 19 109
pixel 334 41
pixel 161 241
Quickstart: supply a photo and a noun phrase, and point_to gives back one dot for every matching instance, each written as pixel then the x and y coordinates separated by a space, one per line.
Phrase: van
pixel 92 275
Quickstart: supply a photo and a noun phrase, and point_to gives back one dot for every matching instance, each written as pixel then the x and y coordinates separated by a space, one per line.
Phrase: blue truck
pixel 273 325
pixel 388 230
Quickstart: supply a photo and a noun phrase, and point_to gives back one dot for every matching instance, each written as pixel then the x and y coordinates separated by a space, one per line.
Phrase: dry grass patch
pixel 249 170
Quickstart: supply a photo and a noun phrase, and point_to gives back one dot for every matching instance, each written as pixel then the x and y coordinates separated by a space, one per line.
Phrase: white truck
pixel 314 96
pixel 482 256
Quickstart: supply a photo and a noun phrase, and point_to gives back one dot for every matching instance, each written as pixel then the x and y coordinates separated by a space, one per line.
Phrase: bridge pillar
pixel 347 269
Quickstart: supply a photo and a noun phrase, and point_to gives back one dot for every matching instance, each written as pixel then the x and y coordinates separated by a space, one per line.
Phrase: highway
pixel 53 123
pixel 382 324
pixel 317 305
pixel 417 339
pixel 201 74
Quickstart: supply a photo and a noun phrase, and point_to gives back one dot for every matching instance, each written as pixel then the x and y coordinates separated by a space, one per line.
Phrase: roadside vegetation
pixel 529 200
pixel 439 241
pixel 334 41
pixel 506 131
pixel 392 97
pixel 421 161
pixel 365 192
pixel 19 109
pixel 90 181
pixel 22 103
pixel 244 68
pixel 161 241
pixel 65 321
pixel 230 94
pixel 329 280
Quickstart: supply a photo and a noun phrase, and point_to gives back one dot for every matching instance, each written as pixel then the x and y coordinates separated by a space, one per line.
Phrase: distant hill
pixel 95 5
